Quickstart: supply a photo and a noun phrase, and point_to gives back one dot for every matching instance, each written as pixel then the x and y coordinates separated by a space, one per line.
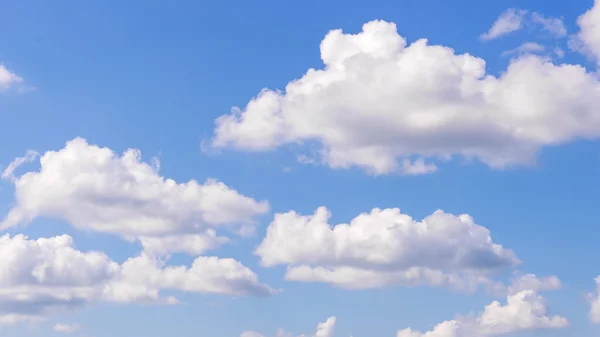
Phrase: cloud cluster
pixel 380 102
pixel 95 189
pixel 384 247
pixel 49 275
pixel 524 310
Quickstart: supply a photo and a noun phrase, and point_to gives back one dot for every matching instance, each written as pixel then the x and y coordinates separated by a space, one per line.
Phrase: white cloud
pixel 9 172
pixel 66 328
pixel 524 310
pixel 525 48
pixel 95 189
pixel 192 244
pixel 417 167
pixel 554 26
pixel 324 329
pixel 384 247
pixel 208 274
pixel 251 334
pixel 49 275
pixel 588 38
pixel 379 101
pixel 534 283
pixel 595 303
pixel 8 79
pixel 509 21
pixel 11 319
pixel 513 20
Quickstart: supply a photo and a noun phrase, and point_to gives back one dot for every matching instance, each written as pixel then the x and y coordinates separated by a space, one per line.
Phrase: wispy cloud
pixel 509 21
pixel 525 48
pixel 554 26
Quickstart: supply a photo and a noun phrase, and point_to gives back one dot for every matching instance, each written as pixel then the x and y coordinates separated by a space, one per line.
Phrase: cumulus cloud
pixel 384 247
pixel 66 328
pixel 509 21
pixel 588 38
pixel 324 329
pixel 95 189
pixel 49 275
pixel 524 310
pixel 208 274
pixel 380 100
pixel 8 79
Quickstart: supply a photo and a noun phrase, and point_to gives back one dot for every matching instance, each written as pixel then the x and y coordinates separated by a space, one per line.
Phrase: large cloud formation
pixel 95 189
pixel 524 310
pixel 381 103
pixel 384 247
pixel 49 275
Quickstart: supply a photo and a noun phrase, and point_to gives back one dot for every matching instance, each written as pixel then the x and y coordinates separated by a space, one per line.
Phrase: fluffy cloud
pixel 524 310
pixel 8 79
pixel 380 101
pixel 206 275
pixel 95 189
pixel 383 247
pixel 534 283
pixel 509 21
pixel 66 328
pixel 49 275
pixel 588 39
pixel 324 329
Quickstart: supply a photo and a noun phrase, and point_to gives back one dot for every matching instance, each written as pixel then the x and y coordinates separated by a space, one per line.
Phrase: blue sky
pixel 508 136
